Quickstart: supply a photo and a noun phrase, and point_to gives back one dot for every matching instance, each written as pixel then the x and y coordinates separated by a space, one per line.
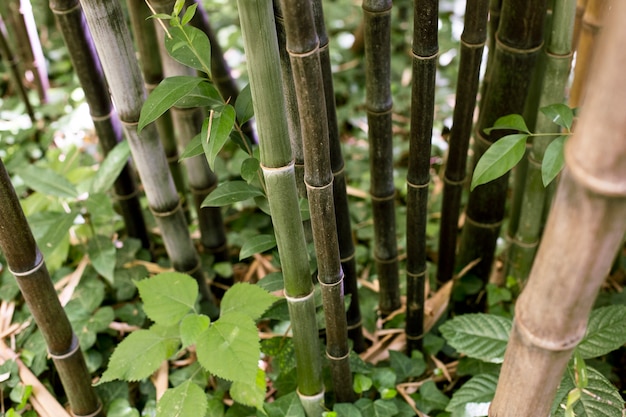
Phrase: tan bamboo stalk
pixel 26 262
pixel 581 5
pixel 585 228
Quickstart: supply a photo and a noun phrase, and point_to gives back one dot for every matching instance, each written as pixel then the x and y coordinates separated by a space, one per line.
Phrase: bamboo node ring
pixel 337 358
pixel 417 186
pixel 126 197
pixel 331 284
pixel 30 271
pixel 155 213
pixel 278 170
pixel 486 225
pixel 591 181
pixel 94 414
pixel 385 198
pixel 72 350
pixel 507 48
pixel 107 116
pixel 550 345
pixel 192 270
pixel 303 299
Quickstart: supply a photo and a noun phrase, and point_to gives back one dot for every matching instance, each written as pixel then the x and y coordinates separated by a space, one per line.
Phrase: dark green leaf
pixel 243 106
pixel 347 410
pixel 193 148
pixel 560 114
pixel 257 244
pixel 499 159
pixel 606 331
pixel 168 296
pixel 203 95
pixel 46 181
pixel 406 367
pixel 509 122
pixel 378 408
pixel 186 400
pixel 553 160
pixel 248 299
pixel 110 168
pixel 216 131
pixel 191 47
pixel 101 252
pixel 272 282
pixel 431 398
pixel 122 408
pixel 231 192
pixel 481 336
pixel 286 406
pixel 474 397
pixel 250 169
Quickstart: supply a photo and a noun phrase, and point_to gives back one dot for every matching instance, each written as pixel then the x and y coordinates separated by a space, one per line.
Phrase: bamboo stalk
pixel 303 47
pixel 585 227
pixel 26 263
pixel 112 39
pixel 424 53
pixel 261 47
pixel 581 5
pixel 71 22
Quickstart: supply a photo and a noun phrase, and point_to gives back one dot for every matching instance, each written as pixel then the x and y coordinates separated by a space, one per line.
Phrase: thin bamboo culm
pixel 585 229
pixel 424 55
pixel 26 262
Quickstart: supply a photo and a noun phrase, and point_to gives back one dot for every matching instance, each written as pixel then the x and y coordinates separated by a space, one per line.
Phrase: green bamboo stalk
pixel 303 47
pixel 347 251
pixel 472 45
pixel 424 54
pixel 71 21
pixel 585 228
pixel 518 42
pixel 26 263
pixel 261 47
pixel 112 39
pixel 558 59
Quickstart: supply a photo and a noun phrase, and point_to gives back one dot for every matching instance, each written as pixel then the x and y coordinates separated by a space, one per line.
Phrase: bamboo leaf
pixel 230 347
pixel 606 331
pixel 191 327
pixel 509 122
pixel 247 299
pixel 164 96
pixel 474 397
pixel 101 252
pixel 186 400
pixel 141 353
pixel 190 46
pixel 250 169
pixel 480 336
pixel 46 181
pixel 215 132
pixel 560 114
pixel 500 158
pixel 110 168
pixel 257 244
pixel 243 105
pixel 168 296
pixel 287 405
pixel 250 393
pixel 553 160
pixel 193 148
pixel 231 192
pixel 203 95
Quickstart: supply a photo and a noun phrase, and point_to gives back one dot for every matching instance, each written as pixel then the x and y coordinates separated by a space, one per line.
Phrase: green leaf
pixel 553 160
pixel 87 324
pixel 191 327
pixel 121 408
pixel 361 383
pixel 347 410
pixel 231 192
pixel 56 233
pixel 378 408
pixel 250 393
pixel 193 148
pixel 243 105
pixel 480 336
pixel 216 131
pixel 606 331
pixel 110 168
pixel 509 122
pixel 178 7
pixel 406 367
pixel 191 10
pixel 230 348
pixel 499 159
pixel 431 398
pixel 248 299
pixel 250 169
pixel 168 296
pixel 257 244
pixel 164 96
pixel 474 397
pixel 203 95
pixel 560 114
pixel 286 406
pixel 186 400
pixel 272 282
pixel 101 252
pixel 46 181
pixel 191 47
pixel 140 354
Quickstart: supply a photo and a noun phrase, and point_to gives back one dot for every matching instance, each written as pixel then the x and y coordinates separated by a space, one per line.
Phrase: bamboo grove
pixel 515 58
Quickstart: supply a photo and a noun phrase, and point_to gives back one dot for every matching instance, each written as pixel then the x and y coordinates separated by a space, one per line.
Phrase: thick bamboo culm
pixel 303 47
pixel 585 228
pixel 266 86
pixel 26 262
pixel 472 44
pixel 424 55
pixel 581 5
pixel 71 22
pixel 347 252
pixel 113 43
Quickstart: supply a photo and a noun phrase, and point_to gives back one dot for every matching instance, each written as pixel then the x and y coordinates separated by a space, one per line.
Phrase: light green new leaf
pixel 378 408
pixel 140 354
pixel 509 122
pixel 230 348
pixel 474 397
pixel 560 114
pixel 247 299
pixel 168 297
pixel 193 148
pixel 243 106
pixel 216 131
pixel 606 331
pixel 101 252
pixel 257 244
pixel 231 192
pixel 186 400
pixel 191 10
pixel 164 96
pixel 190 46
pixel 191 327
pixel 286 406
pixel 480 336
pixel 250 393
pixel 46 181
pixel 499 159
pixel 110 168
pixel 553 160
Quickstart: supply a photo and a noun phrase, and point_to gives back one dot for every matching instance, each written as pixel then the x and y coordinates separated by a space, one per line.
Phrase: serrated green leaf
pixel 168 296
pixel 250 393
pixel 46 181
pixel 193 148
pixel 480 336
pixel 190 46
pixel 248 299
pixel 257 244
pixel 560 114
pixel 164 96
pixel 140 354
pixel 286 406
pixel 553 160
pixel 474 397
pixel 231 192
pixel 216 131
pixel 378 408
pixel 509 122
pixel 499 159
pixel 243 106
pixel 191 327
pixel 606 331
pixel 186 400
pixel 250 169
pixel 230 348
pixel 110 168
pixel 101 252
pixel 431 398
